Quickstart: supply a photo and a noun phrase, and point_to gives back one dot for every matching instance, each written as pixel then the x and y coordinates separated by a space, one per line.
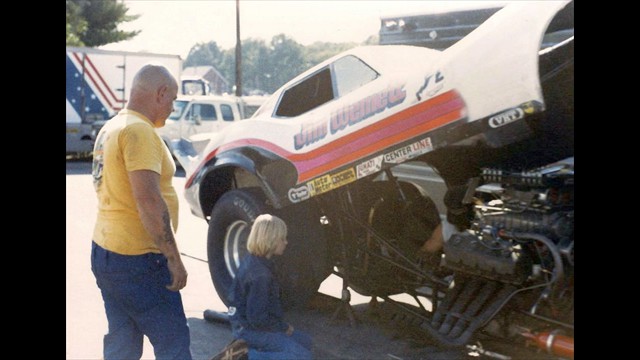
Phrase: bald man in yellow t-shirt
pixel 135 258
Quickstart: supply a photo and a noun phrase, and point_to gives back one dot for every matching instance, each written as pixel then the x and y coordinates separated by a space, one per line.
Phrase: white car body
pixel 490 73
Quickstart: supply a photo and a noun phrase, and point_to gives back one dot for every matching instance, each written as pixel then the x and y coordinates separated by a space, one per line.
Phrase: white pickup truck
pixel 194 117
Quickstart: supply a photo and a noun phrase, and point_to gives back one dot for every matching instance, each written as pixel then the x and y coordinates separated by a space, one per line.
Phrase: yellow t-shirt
pixel 125 143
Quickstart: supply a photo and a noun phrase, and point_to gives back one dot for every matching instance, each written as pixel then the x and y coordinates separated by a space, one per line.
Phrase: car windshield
pixel 178 109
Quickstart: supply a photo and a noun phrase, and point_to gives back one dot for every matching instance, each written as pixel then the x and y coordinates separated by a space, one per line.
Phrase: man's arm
pixel 154 214
pixel 435 242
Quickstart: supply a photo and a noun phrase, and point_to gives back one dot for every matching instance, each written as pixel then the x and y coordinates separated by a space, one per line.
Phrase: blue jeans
pixel 265 345
pixel 137 303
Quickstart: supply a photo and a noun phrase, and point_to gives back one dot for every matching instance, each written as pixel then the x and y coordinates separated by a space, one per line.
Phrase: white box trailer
pixel 98 86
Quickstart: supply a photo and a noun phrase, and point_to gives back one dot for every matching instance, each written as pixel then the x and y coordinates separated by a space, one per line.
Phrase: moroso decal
pixel 330 182
pixel 409 152
pixel 298 194
pixel 506 117
pixel 371 105
pixel 310 133
pixel 369 167
pixel 343 177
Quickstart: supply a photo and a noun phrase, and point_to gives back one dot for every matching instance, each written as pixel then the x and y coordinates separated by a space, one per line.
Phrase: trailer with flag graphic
pixel 98 86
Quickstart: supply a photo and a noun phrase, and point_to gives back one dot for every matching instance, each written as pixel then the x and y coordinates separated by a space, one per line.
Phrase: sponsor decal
pixel 298 194
pixel 329 182
pixel 431 86
pixel 369 167
pixel 343 177
pixel 319 185
pixel 410 151
pixel 371 105
pixel 506 117
pixel 310 133
pixel 349 115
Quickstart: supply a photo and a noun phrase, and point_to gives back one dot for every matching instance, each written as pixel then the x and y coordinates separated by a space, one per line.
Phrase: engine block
pixel 494 259
pixel 536 202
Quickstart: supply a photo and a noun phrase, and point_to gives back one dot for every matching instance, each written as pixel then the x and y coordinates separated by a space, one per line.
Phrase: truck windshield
pixel 178 109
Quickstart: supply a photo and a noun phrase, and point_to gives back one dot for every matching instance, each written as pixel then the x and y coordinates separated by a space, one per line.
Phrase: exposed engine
pixel 509 275
pixel 517 213
pixel 521 243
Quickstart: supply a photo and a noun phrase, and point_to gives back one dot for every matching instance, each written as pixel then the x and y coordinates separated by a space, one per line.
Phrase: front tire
pixel 302 267
pixel 229 228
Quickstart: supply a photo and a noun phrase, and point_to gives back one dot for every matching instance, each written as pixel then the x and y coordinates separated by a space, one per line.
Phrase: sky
pixel 175 26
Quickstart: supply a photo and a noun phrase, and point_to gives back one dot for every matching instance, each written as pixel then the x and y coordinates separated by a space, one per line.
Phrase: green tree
pixel 76 24
pixel 254 69
pixel 320 51
pixel 227 66
pixel 285 61
pixel 265 67
pixel 95 22
pixel 204 54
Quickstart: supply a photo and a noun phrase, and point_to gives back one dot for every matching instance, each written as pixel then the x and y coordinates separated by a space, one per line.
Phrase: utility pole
pixel 238 52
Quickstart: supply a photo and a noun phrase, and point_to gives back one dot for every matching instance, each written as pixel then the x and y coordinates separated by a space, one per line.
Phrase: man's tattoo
pixel 168 234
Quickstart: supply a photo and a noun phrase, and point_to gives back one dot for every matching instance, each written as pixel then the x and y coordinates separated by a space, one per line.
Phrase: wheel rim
pixel 235 245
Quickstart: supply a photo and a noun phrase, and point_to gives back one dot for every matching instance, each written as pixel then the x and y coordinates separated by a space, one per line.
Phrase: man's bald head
pixel 150 77
pixel 152 93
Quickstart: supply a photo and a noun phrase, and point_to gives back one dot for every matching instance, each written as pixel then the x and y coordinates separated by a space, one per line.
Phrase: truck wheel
pixel 299 269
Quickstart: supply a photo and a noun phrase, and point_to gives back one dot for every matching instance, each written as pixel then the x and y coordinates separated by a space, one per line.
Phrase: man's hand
pixel 178 275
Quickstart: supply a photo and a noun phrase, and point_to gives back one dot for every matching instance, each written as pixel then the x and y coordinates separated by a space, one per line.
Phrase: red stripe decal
pixel 399 127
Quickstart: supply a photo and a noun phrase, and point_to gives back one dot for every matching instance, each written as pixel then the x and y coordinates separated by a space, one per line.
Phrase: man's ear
pixel 162 92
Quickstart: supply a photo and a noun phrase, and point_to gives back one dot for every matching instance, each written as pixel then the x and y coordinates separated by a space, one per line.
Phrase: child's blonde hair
pixel 265 233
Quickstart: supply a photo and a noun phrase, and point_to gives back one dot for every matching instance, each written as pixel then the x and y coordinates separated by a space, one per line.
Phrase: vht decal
pixel 506 117
pixel 409 152
pixel 431 86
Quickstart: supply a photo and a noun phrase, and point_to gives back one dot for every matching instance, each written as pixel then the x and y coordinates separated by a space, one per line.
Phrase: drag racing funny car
pixel 493 113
